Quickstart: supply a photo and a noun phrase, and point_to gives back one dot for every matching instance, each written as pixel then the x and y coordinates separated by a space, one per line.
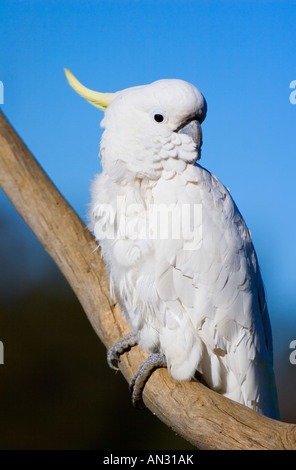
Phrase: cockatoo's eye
pixel 158 117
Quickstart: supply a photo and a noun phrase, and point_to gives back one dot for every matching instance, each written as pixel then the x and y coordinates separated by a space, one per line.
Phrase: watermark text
pixel 293 93
pixel 292 356
pixel 152 222
pixel 1 353
pixel 1 93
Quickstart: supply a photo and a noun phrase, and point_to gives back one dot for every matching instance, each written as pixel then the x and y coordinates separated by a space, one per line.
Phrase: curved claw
pixel 119 348
pixel 139 379
pixel 113 358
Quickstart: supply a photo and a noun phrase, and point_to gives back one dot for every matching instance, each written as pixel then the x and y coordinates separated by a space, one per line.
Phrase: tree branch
pixel 203 417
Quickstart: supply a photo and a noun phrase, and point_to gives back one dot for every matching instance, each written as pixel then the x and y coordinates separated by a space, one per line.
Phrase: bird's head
pixel 150 127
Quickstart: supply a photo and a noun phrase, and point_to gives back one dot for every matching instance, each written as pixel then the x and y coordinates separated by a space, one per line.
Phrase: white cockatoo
pixel 178 252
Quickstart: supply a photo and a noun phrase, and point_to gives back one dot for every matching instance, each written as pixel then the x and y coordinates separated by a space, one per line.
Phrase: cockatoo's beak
pixel 191 128
pixel 99 100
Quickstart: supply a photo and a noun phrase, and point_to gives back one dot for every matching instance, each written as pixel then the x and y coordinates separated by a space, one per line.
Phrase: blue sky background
pixel 240 54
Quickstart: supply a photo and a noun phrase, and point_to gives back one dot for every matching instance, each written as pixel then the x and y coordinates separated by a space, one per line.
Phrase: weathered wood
pixel 204 418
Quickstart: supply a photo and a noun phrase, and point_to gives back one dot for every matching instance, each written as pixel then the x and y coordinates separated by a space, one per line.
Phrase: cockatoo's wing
pixel 215 291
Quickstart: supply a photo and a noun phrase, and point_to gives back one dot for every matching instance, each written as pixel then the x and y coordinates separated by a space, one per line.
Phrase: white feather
pixel 203 307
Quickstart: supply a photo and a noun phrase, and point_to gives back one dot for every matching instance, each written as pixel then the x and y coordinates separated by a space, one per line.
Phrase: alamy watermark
pixel 1 353
pixel 293 94
pixel 152 222
pixel 292 356
pixel 1 93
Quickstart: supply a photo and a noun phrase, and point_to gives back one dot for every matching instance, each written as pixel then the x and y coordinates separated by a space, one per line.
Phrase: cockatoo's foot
pixel 137 383
pixel 120 347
